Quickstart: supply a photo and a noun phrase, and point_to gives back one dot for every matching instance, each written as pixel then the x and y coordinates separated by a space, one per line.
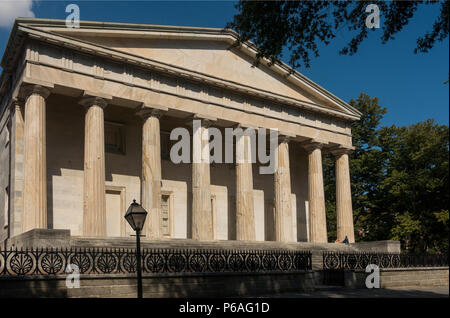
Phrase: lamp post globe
pixel 135 216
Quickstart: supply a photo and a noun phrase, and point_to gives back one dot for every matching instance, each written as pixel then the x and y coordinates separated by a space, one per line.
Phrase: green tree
pixel 415 190
pixel 302 26
pixel 399 179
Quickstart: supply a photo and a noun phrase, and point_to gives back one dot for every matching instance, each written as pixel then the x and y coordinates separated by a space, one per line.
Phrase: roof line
pixel 289 71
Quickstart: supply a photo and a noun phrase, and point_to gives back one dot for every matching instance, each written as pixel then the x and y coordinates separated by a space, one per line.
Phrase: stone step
pixel 62 239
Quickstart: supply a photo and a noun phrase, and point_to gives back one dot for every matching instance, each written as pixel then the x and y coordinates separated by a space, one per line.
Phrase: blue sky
pixel 409 85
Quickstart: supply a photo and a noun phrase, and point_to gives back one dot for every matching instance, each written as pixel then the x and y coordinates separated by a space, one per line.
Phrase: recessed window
pixel 165 215
pixel 115 138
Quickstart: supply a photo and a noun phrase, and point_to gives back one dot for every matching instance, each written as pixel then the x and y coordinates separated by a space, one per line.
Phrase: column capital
pixel 285 136
pixel 17 102
pixel 313 145
pixel 342 151
pixel 33 89
pixel 93 100
pixel 145 111
pixel 206 123
pixel 206 119
pixel 244 126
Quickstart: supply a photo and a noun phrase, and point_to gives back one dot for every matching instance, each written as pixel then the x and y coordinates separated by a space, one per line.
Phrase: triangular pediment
pixel 204 51
pixel 213 58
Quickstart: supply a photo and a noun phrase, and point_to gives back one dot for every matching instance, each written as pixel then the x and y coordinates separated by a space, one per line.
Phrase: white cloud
pixel 12 9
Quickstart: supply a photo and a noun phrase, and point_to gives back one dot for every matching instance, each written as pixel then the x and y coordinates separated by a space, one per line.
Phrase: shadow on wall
pixel 65 153
pixel 17 287
pixel 200 285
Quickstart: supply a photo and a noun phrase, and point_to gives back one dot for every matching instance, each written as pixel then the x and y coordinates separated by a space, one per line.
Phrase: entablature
pixel 73 72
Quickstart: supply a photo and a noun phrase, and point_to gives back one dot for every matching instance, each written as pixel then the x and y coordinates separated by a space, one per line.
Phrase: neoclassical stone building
pixel 85 118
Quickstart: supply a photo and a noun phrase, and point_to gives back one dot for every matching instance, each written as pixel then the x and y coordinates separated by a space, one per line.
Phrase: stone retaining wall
pixel 210 284
pixel 164 285
pixel 401 277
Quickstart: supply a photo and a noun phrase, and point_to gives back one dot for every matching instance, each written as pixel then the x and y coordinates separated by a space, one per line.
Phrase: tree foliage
pixel 416 184
pixel 399 178
pixel 302 26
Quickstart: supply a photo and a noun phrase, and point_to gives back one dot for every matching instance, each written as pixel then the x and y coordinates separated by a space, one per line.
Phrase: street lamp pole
pixel 138 264
pixel 135 216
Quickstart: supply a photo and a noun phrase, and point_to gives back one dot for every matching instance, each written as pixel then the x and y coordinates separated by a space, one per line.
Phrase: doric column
pixel 245 221
pixel 151 171
pixel 316 194
pixel 202 222
pixel 282 178
pixel 94 215
pixel 35 170
pixel 344 213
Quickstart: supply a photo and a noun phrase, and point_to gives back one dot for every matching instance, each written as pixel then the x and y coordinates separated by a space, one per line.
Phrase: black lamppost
pixel 135 216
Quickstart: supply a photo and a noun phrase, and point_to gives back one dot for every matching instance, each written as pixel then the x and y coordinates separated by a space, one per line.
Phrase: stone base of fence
pixel 288 274
pixel 189 285
pixel 400 277
pixel 192 285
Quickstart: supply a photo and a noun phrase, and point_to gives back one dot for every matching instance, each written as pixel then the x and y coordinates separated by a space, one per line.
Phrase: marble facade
pixel 85 116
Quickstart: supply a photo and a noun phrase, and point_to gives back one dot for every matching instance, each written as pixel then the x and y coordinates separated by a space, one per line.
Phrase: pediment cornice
pixel 45 33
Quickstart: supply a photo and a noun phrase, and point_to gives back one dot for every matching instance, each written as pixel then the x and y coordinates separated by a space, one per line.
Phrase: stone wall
pixel 154 285
pixel 401 277
pixel 209 285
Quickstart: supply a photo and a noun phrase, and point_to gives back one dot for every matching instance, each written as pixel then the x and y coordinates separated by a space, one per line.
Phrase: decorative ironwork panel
pixel 51 263
pixel 334 261
pixel 116 261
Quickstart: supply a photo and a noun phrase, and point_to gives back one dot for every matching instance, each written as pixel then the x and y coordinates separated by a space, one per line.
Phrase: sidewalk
pixel 413 292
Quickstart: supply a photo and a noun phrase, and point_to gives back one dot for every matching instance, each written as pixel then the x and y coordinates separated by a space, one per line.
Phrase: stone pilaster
pixel 202 222
pixel 316 195
pixel 94 214
pixel 35 170
pixel 245 220
pixel 344 212
pixel 17 158
pixel 282 178
pixel 151 171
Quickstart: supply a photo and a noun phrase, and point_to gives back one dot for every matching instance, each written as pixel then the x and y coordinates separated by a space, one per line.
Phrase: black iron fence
pixel 123 261
pixel 335 264
pixel 349 261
